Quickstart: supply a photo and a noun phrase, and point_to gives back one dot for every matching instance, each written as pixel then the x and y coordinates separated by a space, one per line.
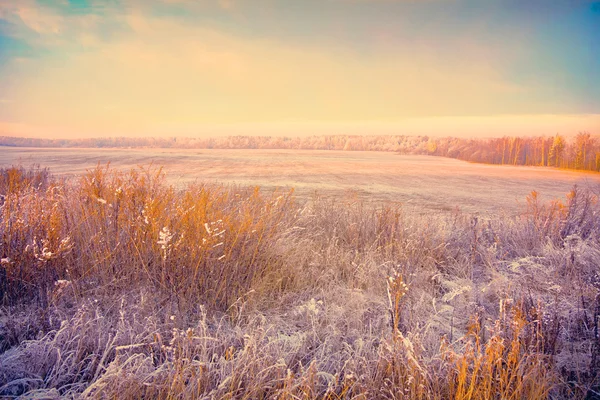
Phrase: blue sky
pixel 133 67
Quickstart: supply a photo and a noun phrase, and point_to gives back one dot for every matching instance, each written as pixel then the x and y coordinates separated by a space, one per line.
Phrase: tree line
pixel 581 152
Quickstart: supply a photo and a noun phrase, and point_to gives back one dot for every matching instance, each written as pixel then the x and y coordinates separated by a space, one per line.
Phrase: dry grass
pixel 119 286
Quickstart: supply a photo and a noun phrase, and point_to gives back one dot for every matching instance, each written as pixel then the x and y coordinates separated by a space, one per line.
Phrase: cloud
pixel 29 14
pixel 226 4
pixel 44 30
pixel 199 4
pixel 39 22
pixel 166 71
pixel 144 83
pixel 166 74
pixel 393 1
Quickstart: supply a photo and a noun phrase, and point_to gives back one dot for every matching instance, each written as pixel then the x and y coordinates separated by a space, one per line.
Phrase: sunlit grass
pixel 116 285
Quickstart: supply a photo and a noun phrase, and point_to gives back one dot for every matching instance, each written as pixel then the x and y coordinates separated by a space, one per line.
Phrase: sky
pixel 91 68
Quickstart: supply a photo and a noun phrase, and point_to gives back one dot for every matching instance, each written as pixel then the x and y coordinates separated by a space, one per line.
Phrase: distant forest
pixel 581 153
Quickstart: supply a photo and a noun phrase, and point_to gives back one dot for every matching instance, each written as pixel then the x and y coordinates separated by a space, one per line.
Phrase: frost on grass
pixel 228 292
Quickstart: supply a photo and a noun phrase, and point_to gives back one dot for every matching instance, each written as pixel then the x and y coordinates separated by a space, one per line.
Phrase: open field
pixel 420 183
pixel 115 284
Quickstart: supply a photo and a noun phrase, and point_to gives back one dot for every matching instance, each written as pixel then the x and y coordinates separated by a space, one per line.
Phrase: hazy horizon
pixel 89 68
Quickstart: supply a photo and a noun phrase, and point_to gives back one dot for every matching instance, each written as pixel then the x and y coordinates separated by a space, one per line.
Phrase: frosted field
pixel 419 183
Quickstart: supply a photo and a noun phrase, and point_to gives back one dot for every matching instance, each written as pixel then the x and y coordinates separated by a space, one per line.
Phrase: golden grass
pixel 207 244
pixel 119 286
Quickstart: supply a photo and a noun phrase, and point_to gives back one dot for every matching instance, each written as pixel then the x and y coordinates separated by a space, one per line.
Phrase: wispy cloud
pixel 186 65
pixel 49 28
pixel 36 19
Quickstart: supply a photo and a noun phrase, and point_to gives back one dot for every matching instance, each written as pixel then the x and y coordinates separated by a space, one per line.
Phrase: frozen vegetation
pixel 117 285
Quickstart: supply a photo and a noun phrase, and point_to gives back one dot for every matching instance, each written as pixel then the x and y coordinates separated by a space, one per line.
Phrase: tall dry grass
pixel 113 230
pixel 116 285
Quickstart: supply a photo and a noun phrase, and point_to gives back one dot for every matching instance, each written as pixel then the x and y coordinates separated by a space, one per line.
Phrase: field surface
pixel 114 285
pixel 419 183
